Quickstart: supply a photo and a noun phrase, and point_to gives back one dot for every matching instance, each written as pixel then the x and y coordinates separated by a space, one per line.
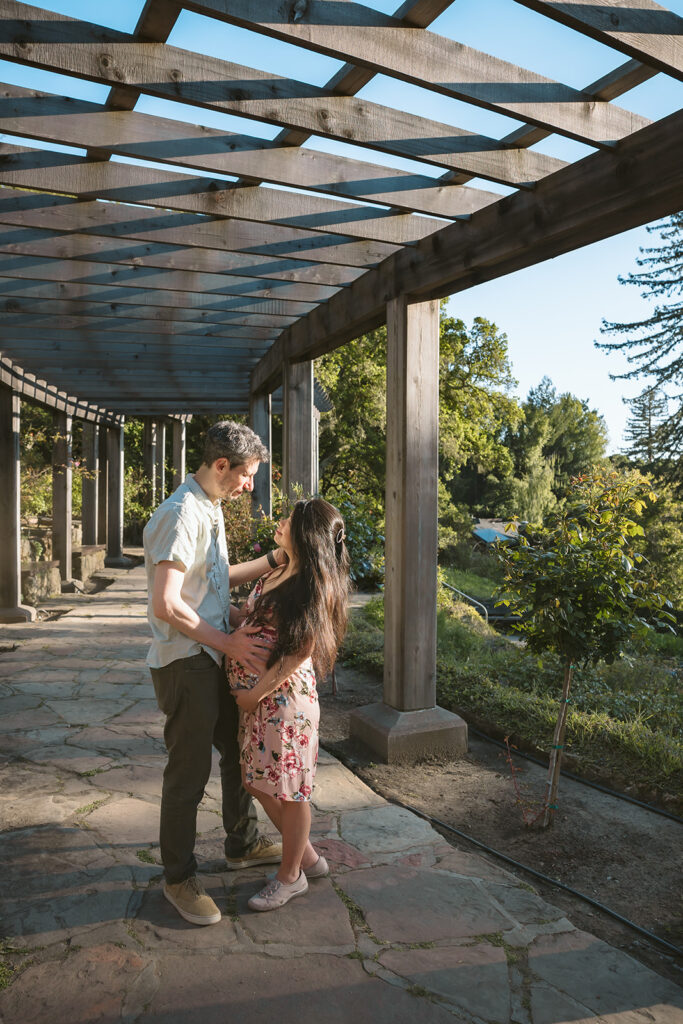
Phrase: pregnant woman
pixel 301 610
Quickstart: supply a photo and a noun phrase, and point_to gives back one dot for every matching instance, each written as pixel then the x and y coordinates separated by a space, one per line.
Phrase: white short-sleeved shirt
pixel 188 528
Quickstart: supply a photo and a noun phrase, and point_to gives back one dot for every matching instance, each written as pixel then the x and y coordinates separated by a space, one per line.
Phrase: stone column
pixel 102 484
pixel 178 453
pixel 161 461
pixel 149 460
pixel 297 428
pixel 260 420
pixel 114 557
pixel 90 482
pixel 408 724
pixel 62 479
pixel 11 608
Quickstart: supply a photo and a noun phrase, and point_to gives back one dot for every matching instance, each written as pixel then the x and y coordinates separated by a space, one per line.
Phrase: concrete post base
pixel 72 586
pixel 404 736
pixel 20 613
pixel 118 562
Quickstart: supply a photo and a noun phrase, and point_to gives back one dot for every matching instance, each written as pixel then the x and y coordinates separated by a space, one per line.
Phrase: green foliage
pixel 364 525
pixel 558 438
pixel 532 496
pixel 625 719
pixel 471 583
pixel 475 403
pixel 475 396
pixel 581 582
pixel 654 346
pixel 249 536
pixel 352 440
pixel 648 411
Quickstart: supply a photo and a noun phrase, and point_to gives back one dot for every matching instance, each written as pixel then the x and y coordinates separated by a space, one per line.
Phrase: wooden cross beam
pixel 15 288
pixel 47 171
pixel 361 35
pixel 113 316
pixel 42 268
pixel 72 245
pixel 602 194
pixel 640 28
pixel 35 389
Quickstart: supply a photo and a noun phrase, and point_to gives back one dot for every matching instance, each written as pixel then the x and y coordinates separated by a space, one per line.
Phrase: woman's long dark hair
pixel 309 609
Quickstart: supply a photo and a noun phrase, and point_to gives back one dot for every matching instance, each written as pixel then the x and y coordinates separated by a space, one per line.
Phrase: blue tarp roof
pixel 489 535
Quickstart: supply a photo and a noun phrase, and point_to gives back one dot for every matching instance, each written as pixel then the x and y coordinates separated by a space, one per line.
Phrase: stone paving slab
pixel 405 929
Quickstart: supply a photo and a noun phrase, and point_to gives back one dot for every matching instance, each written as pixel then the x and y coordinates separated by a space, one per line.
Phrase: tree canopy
pixel 654 346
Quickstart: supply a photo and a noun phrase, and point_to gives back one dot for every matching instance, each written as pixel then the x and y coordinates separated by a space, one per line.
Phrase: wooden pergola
pixel 161 274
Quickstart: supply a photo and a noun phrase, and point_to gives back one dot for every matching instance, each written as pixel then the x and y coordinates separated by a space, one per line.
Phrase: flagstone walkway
pixel 406 928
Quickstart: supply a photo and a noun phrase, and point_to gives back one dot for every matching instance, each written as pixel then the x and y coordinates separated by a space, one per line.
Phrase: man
pixel 189 581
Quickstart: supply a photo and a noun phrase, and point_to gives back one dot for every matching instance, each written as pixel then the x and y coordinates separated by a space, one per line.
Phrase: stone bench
pixel 40 580
pixel 87 560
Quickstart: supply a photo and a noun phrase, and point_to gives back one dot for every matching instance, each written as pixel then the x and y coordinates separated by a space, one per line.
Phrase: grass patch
pixel 6 972
pixel 625 719
pixel 145 856
pixel 89 808
pixel 469 582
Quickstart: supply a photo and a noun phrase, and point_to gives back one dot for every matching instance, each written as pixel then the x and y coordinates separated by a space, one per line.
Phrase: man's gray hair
pixel 235 442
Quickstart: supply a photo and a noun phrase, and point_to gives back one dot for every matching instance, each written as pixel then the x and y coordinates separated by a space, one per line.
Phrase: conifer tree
pixel 654 346
pixel 648 411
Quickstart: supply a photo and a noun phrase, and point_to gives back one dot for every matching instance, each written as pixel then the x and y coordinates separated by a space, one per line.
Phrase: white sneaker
pixel 320 869
pixel 275 894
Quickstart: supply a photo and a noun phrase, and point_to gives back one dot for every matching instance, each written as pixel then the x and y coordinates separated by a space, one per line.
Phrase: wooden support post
pixel 149 460
pixel 315 455
pixel 11 608
pixel 161 460
pixel 90 483
pixel 297 428
pixel 408 725
pixel 261 422
pixel 178 453
pixel 62 478
pixel 102 485
pixel 115 557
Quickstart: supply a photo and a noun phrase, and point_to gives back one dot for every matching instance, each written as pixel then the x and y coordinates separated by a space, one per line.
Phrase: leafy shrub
pixel 364 524
pixel 624 718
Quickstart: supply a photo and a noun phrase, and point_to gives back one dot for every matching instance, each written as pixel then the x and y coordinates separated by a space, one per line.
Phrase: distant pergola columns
pixel 16 384
pixel 11 607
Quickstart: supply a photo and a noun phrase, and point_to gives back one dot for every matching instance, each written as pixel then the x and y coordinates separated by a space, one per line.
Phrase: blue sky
pixel 551 313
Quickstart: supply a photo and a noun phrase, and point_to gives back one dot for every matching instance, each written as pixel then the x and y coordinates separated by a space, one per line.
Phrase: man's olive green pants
pixel 200 714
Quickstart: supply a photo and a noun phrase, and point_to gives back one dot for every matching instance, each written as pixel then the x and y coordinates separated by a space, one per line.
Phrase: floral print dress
pixel 279 740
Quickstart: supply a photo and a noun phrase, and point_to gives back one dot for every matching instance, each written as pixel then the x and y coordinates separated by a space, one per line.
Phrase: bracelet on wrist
pixel 272 560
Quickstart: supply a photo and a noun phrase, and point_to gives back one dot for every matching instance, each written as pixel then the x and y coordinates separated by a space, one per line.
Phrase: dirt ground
pixel 619 854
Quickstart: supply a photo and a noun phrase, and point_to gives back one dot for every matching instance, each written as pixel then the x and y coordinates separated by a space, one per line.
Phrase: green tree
pixel 570 435
pixel 475 400
pixel 475 397
pixel 654 345
pixel 583 586
pixel 532 496
pixel 648 411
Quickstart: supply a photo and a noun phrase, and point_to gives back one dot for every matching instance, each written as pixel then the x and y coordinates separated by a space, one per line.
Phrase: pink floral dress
pixel 279 741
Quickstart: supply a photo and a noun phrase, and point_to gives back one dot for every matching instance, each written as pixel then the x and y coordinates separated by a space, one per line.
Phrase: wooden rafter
pixel 148 288
pixel 73 122
pixel 71 175
pixel 387 45
pixel 642 29
pixel 587 201
pixel 62 213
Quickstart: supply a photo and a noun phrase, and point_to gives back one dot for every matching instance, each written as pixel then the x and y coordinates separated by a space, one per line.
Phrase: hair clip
pixel 340 536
